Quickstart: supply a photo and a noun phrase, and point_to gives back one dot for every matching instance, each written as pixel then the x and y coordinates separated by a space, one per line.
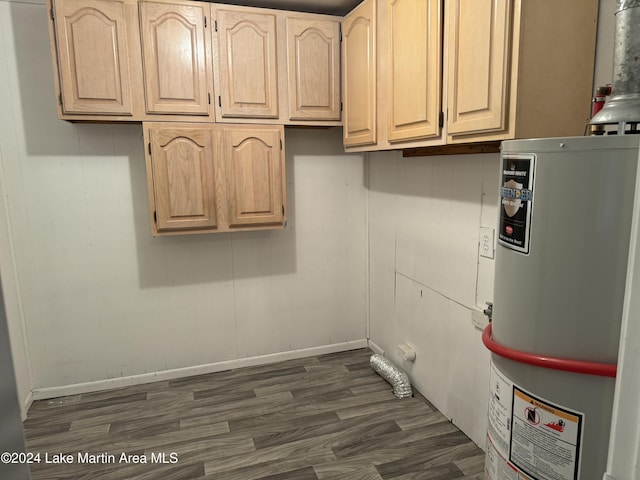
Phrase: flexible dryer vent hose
pixel 392 374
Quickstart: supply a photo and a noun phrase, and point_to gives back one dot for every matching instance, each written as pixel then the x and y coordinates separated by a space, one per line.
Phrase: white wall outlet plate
pixel 486 242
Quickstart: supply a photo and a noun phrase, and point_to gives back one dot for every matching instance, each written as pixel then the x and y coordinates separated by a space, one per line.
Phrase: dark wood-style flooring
pixel 329 417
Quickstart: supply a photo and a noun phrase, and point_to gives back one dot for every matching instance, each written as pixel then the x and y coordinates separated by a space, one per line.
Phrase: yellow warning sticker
pixel 545 440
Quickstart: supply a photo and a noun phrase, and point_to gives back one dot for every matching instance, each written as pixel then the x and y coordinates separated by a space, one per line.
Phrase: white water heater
pixel 563 240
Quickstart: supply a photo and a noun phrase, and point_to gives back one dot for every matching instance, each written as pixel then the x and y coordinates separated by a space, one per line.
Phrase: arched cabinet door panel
pixel 247 84
pixel 183 177
pixel 93 56
pixel 175 47
pixel 313 68
pixel 254 175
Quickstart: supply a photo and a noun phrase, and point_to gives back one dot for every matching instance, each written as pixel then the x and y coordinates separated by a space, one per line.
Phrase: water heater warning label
pixel 545 441
pixel 516 199
pixel 529 438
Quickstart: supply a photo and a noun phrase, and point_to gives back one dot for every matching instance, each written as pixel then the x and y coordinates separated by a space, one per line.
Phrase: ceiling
pixel 331 7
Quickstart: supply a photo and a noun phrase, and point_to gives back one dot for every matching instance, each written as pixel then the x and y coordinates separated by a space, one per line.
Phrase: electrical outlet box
pixel 478 318
pixel 486 242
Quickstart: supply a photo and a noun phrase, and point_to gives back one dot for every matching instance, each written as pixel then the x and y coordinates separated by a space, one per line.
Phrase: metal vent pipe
pixel 623 106
pixel 392 374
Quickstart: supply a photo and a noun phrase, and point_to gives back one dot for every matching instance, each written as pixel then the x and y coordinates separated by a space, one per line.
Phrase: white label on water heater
pixel 516 201
pixel 529 437
pixel 500 398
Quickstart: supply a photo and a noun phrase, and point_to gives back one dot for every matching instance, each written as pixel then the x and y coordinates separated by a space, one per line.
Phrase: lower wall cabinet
pixel 205 178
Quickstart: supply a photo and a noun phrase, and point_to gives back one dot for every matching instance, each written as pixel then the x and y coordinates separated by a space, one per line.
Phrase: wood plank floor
pixel 329 417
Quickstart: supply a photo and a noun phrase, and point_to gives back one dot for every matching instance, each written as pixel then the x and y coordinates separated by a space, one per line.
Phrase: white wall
pixel 426 275
pixel 8 268
pixel 101 299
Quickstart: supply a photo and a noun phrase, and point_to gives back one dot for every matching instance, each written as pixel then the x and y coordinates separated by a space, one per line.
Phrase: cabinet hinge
pixel 155 217
pixel 341 106
pixel 53 17
pixel 205 22
pixel 219 101
pixel 282 209
pixel 209 97
pixel 280 144
pixel 60 98
pixel 149 147
pixel 441 120
pixel 340 35
pixel 215 24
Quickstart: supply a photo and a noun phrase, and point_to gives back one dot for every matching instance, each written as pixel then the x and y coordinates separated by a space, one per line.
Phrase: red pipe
pixel 575 366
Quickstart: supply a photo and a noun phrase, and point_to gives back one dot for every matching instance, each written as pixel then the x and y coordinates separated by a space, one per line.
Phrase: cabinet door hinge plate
pixel 205 22
pixel 149 147
pixel 155 217
pixel 441 120
pixel 215 25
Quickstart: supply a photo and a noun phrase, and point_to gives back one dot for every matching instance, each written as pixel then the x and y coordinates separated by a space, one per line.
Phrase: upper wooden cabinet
pixel 392 74
pixel 276 67
pixel 182 176
pixel 176 52
pixel 359 75
pixel 254 175
pixel 247 67
pixel 464 71
pixel 313 68
pixel 414 68
pixel 516 71
pixel 180 60
pixel 479 37
pixel 205 178
pixel 92 55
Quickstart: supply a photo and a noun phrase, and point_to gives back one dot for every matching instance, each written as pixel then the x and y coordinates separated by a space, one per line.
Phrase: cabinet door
pixel 174 45
pixel 93 56
pixel 254 164
pixel 248 78
pixel 414 68
pixel 183 178
pixel 359 75
pixel 478 53
pixel 313 54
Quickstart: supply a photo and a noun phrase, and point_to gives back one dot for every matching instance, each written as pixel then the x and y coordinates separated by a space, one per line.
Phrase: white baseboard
pixel 78 388
pixel 375 348
pixel 26 405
